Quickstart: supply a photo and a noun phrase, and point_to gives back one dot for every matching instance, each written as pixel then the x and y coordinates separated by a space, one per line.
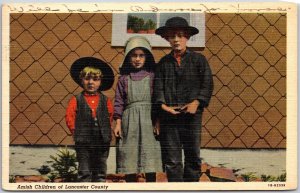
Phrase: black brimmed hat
pixel 176 23
pixel 107 79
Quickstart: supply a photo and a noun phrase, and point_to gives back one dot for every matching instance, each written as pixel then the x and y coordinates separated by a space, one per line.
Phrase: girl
pixel 137 149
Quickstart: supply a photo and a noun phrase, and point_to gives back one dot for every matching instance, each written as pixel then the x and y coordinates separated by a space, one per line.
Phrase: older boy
pixel 183 87
pixel 89 116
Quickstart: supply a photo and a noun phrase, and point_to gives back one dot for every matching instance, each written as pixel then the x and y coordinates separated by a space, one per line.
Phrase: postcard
pixel 149 96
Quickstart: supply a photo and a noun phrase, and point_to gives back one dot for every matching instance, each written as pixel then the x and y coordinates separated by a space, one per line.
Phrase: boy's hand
pixel 190 107
pixel 117 130
pixel 172 110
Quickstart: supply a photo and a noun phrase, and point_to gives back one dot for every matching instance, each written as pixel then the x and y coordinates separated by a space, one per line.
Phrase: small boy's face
pixel 178 39
pixel 91 83
pixel 137 58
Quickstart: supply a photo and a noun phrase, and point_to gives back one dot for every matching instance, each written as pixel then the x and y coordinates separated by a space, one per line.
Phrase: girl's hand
pixel 117 130
pixel 171 110
pixel 156 128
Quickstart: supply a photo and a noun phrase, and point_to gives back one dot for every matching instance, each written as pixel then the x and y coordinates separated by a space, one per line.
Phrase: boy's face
pixel 91 83
pixel 137 58
pixel 178 39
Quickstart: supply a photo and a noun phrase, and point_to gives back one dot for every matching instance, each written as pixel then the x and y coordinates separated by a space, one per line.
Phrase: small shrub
pixel 44 170
pixel 12 179
pixel 64 166
pixel 282 177
pixel 248 177
pixel 52 176
pixel 152 24
pixel 268 178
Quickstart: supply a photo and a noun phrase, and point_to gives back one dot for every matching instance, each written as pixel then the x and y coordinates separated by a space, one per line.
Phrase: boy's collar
pixel 90 94
pixel 182 55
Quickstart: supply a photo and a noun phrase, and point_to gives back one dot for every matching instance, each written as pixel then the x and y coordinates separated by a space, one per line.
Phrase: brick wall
pixel 247 54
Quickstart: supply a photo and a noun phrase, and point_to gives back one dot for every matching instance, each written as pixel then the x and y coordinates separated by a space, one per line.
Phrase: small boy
pixel 89 117
pixel 183 87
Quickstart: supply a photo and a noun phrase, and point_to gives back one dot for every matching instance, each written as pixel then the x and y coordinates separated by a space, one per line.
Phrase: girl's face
pixel 91 83
pixel 137 58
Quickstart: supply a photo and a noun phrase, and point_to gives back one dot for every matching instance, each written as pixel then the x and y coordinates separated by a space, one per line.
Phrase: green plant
pixel 12 179
pixel 130 21
pixel 268 178
pixel 146 26
pixel 248 177
pixel 282 177
pixel 151 24
pixel 64 166
pixel 139 24
pixel 44 170
pixel 52 176
pixel 134 23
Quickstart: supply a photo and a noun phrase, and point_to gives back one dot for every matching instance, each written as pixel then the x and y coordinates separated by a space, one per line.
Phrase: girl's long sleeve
pixel 120 98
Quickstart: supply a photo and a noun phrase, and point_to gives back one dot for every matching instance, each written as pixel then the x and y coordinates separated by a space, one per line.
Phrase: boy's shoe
pixel 98 178
pixel 140 177
pixel 130 178
pixel 85 178
pixel 150 177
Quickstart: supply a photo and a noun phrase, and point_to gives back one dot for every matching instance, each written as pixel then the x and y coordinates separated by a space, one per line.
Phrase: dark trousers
pixel 177 132
pixel 92 162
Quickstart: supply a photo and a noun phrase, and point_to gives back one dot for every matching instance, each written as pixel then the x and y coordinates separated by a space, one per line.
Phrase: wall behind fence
pixel 247 54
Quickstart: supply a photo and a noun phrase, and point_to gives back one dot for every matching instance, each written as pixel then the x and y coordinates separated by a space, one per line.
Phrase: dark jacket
pixel 175 85
pixel 89 130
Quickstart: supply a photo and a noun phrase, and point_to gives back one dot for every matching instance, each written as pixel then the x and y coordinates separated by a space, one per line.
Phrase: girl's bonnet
pixel 131 44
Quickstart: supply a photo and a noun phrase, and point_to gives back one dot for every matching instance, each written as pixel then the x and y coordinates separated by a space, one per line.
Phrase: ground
pixel 218 165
